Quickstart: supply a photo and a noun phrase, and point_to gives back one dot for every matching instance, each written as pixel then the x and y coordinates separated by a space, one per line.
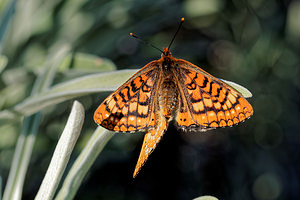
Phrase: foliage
pixel 54 51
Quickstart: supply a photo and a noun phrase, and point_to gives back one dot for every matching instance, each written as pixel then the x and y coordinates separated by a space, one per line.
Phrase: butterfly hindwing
pixel 207 102
pixel 129 108
pixel 151 139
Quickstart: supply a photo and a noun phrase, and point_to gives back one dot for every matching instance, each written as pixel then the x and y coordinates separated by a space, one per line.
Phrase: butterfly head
pixel 166 52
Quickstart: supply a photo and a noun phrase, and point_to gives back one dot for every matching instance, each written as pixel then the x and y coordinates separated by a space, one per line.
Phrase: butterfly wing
pixel 207 102
pixel 129 108
pixel 151 139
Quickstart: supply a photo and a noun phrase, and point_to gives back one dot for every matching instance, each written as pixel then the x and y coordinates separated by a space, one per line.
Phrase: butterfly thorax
pixel 167 61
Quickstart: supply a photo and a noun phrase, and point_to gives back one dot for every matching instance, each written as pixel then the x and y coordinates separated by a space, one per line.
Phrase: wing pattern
pixel 207 102
pixel 129 108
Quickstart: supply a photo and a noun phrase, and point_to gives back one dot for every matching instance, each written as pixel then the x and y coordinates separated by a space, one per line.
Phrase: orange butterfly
pixel 166 89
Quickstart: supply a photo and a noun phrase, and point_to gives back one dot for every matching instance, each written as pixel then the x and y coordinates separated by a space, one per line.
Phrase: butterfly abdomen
pixel 167 98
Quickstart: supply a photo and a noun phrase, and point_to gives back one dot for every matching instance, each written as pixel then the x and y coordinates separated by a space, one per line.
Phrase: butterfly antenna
pixel 181 22
pixel 146 42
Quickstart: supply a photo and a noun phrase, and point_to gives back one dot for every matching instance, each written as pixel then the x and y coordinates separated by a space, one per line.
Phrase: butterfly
pixel 171 89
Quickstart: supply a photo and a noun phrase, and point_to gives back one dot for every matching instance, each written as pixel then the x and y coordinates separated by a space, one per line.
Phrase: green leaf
pixel 22 154
pixel 62 152
pixel 206 197
pixel 83 163
pixel 3 62
pixel 244 91
pixel 78 87
pixel 45 79
pixel 86 62
pixel 0 187
pixel 26 140
pixel 6 17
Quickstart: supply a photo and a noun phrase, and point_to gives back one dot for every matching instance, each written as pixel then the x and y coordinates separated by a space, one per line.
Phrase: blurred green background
pixel 255 43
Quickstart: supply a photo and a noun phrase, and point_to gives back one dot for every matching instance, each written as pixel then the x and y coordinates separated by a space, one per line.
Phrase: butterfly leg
pixel 151 139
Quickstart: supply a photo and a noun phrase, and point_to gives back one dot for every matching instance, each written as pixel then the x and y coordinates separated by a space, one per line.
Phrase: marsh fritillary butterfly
pixel 166 89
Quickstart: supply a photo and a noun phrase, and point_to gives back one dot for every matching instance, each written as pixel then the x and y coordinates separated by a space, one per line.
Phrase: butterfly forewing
pixel 130 107
pixel 207 102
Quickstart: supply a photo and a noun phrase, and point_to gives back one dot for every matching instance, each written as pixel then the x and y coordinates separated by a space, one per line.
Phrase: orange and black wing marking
pixel 207 102
pixel 130 107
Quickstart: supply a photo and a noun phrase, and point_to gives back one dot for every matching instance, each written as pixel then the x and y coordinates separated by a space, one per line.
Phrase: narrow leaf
pixel 14 186
pixel 101 82
pixel 86 62
pixel 62 153
pixel 3 62
pixel 26 140
pixel 83 163
pixel 206 197
pixel 244 91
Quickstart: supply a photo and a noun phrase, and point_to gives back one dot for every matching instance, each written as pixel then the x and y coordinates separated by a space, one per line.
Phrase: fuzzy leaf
pixel 244 91
pixel 62 153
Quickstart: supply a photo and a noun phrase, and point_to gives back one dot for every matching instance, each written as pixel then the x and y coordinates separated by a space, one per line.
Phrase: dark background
pixel 255 43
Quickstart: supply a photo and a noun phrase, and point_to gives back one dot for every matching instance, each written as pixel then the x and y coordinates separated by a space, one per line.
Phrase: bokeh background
pixel 255 43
